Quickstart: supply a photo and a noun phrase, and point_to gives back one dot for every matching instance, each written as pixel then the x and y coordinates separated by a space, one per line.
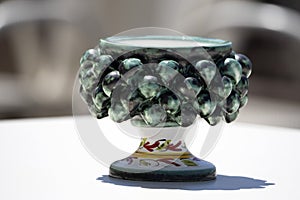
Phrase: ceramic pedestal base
pixel 201 171
pixel 163 158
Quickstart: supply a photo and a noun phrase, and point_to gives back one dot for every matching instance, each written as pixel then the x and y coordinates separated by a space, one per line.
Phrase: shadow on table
pixel 222 182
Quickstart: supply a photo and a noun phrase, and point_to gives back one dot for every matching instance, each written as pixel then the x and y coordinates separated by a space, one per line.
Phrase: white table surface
pixel 44 159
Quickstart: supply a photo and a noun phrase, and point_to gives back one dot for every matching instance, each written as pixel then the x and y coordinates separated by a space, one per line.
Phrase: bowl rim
pixel 196 41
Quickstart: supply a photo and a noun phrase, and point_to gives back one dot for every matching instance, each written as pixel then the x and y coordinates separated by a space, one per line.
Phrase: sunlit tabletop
pixel 44 159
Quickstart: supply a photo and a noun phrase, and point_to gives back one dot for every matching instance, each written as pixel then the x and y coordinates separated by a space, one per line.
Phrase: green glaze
pixel 185 80
pixel 169 101
pixel 232 103
pixel 246 64
pixel 91 54
pixel 232 69
pixel 118 112
pixel 207 70
pixel 243 101
pixel 206 105
pixel 167 70
pixel 242 86
pixel 110 81
pixel 193 84
pixel 187 115
pixel 213 120
pixel 100 100
pixel 149 87
pixel 129 64
pixel 88 80
pixel 154 115
pixel 229 117
pixel 228 85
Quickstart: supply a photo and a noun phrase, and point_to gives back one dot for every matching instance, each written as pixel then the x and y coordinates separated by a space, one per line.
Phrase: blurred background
pixel 41 43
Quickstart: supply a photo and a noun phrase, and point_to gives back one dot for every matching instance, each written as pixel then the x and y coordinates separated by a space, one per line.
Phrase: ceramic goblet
pixel 160 85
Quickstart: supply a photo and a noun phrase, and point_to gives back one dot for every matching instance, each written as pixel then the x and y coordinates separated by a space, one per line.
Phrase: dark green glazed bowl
pixel 185 76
